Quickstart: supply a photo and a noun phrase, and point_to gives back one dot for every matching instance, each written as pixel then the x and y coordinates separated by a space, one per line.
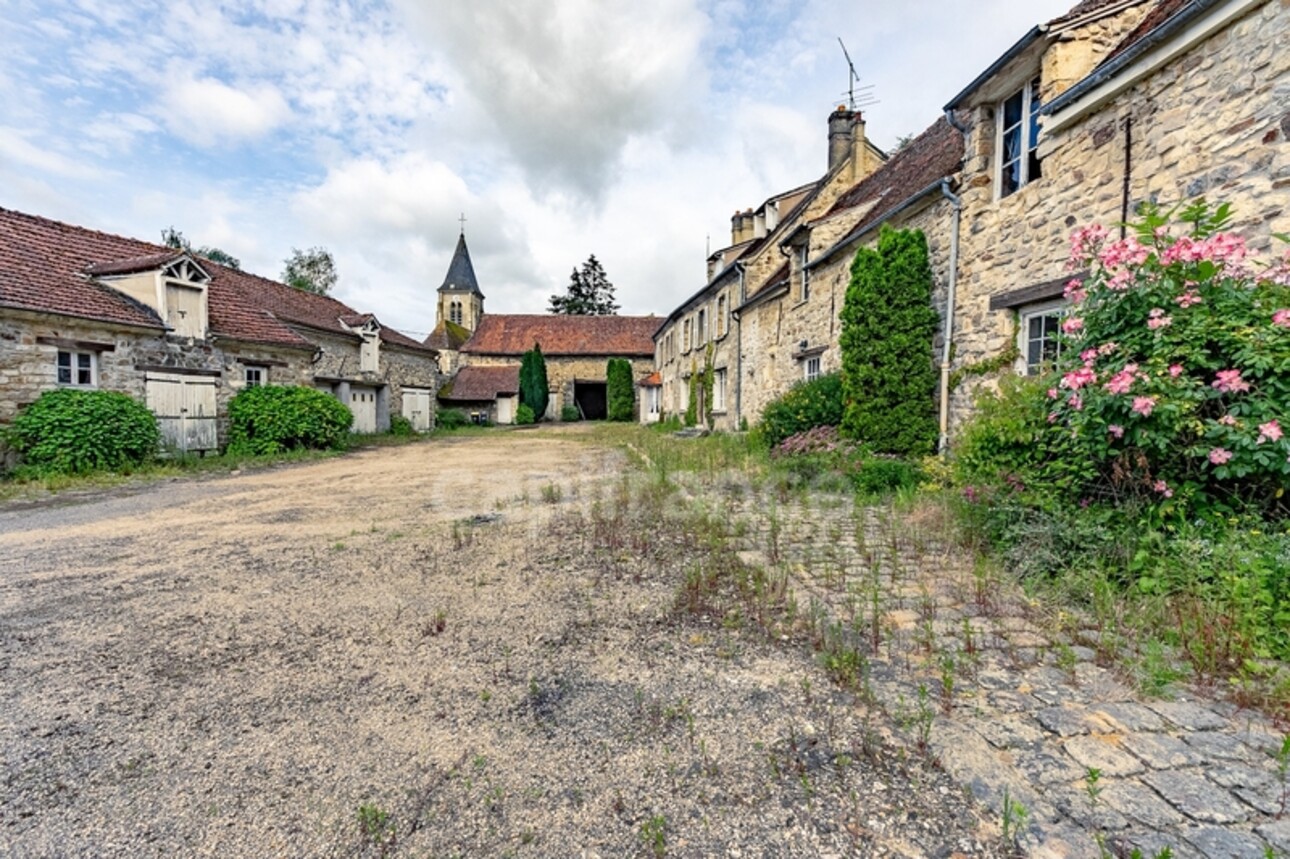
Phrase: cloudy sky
pixel 561 128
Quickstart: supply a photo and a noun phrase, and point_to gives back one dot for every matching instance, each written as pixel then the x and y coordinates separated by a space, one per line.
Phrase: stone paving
pixel 981 682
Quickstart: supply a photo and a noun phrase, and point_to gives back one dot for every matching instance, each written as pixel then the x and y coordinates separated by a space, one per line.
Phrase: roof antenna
pixel 866 92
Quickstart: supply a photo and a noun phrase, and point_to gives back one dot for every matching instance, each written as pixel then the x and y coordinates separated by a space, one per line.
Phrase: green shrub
pixel 401 426
pixel 880 475
pixel 888 325
pixel 803 407
pixel 620 389
pixel 270 419
pixel 451 419
pixel 524 415
pixel 569 414
pixel 535 388
pixel 68 431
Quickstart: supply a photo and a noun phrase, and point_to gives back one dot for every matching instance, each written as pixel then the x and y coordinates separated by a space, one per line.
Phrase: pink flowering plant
pixel 1174 375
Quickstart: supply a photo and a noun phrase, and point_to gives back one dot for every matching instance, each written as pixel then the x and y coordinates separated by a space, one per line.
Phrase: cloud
pixel 207 112
pixel 565 86
pixel 14 145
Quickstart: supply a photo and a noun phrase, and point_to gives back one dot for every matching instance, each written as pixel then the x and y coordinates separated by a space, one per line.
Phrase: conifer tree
pixel 535 389
pixel 888 327
pixel 620 389
pixel 589 293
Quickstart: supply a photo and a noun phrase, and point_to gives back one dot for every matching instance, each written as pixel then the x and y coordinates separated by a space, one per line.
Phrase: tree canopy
pixel 172 238
pixel 313 270
pixel 589 293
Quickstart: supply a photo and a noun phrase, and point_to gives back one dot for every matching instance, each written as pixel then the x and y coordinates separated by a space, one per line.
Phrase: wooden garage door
pixel 185 410
pixel 416 408
pixel 362 402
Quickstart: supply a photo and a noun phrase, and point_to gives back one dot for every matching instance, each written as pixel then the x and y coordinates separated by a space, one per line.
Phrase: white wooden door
pixel 362 402
pixel 416 408
pixel 505 410
pixel 185 410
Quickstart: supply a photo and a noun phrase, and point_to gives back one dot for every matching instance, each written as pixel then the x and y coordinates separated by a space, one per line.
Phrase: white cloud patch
pixel 16 147
pixel 207 112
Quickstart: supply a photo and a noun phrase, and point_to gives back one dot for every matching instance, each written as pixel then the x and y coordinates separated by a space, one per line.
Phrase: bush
pixel 401 426
pixel 804 406
pixel 68 431
pixel 271 419
pixel 888 325
pixel 451 419
pixel 881 475
pixel 620 389
pixel 569 414
pixel 535 389
pixel 524 415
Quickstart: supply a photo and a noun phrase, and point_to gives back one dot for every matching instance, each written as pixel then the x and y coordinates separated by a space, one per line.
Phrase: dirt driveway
pixel 409 651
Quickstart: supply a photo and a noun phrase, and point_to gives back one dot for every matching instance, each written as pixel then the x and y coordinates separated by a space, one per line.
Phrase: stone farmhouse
pixel 1115 103
pixel 85 309
pixel 484 351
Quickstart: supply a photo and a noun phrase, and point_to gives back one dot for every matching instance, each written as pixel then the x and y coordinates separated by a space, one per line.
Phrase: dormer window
pixel 185 303
pixel 1019 139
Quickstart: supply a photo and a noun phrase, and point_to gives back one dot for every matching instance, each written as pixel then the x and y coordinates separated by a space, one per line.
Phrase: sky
pixel 627 130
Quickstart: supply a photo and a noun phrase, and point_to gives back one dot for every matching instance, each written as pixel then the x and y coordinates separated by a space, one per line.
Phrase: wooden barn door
pixel 416 408
pixel 185 410
pixel 362 402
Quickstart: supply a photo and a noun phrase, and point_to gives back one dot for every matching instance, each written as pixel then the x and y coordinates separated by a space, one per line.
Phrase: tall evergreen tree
pixel 535 389
pixel 888 328
pixel 589 293
pixel 620 389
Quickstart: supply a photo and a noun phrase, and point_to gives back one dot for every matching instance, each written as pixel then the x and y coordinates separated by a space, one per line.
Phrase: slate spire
pixel 461 274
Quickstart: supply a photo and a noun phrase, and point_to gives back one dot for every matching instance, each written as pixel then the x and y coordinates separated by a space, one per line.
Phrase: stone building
pixel 708 330
pixel 1114 103
pixel 458 310
pixel 487 394
pixel 85 309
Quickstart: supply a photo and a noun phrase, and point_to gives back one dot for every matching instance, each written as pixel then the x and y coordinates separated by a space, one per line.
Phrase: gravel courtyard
pixel 418 651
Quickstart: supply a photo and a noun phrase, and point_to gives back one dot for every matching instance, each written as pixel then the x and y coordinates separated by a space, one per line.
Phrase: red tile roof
pixel 932 155
pixel 653 380
pixel 1079 10
pixel 476 384
pixel 515 334
pixel 447 336
pixel 150 262
pixel 1155 18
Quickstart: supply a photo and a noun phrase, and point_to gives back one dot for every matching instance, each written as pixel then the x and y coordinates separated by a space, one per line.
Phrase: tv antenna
pixel 865 97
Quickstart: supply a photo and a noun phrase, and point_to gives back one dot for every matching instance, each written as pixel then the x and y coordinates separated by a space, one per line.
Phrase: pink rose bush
pixel 1174 375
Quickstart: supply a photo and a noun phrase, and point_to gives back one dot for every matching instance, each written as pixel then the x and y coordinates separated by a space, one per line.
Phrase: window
pixel 454 312
pixel 812 367
pixel 1038 333
pixel 78 368
pixel 723 316
pixel 685 336
pixel 254 376
pixel 719 390
pixel 703 327
pixel 1019 139
pixel 806 274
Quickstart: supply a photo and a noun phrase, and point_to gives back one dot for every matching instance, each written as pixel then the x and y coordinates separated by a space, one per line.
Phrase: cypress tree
pixel 619 389
pixel 888 328
pixel 535 390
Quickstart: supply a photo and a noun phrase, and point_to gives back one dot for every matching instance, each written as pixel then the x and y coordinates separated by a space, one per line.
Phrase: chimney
pixel 736 227
pixel 840 139
pixel 860 163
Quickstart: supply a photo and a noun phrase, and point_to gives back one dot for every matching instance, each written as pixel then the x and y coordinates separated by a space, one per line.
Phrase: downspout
pixel 1128 176
pixel 947 351
pixel 739 349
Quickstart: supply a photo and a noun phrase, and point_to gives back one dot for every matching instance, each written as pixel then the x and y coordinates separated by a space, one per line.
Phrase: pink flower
pixel 1086 240
pixel 1157 319
pixel 1230 381
pixel 1078 378
pixel 1122 381
pixel 1225 248
pixel 1124 252
pixel 1088 356
pixel 1072 324
pixel 1144 406
pixel 1270 431
pixel 1107 348
pixel 1227 421
pixel 1187 299
pixel 1175 370
pixel 1052 393
pixel 1077 402
pixel 1074 291
pixel 1119 282
pixel 1219 455
pixel 1116 430
pixel 1052 417
pixel 1163 488
pixel 1282 318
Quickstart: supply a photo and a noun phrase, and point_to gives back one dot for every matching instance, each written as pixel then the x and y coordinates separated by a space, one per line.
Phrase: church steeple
pixel 461 303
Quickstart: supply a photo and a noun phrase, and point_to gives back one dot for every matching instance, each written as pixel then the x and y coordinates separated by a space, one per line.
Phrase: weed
pixel 1092 786
pixel 949 666
pixel 1014 819
pixel 1066 660
pixel 552 493
pixel 375 825
pixel 338 546
pixel 1283 770
pixel 653 834
pixel 437 623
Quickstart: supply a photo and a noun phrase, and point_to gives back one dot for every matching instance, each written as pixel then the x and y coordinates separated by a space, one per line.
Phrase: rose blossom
pixel 1144 406
pixel 1175 370
pixel 1219 455
pixel 1116 430
pixel 1230 381
pixel 1270 431
pixel 1227 421
pixel 1157 319
pixel 1163 488
pixel 1282 318
pixel 1187 299
pixel 1072 324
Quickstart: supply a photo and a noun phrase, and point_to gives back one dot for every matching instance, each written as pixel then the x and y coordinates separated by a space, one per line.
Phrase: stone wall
pixel 561 372
pixel 396 368
pixel 1212 122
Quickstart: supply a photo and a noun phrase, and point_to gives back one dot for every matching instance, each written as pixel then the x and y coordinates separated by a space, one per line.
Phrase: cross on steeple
pixel 462 219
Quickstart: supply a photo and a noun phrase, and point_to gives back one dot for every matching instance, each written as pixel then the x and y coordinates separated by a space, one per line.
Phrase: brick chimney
pixel 841 138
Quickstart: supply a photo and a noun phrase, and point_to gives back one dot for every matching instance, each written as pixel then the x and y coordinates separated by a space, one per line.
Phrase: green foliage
pixel 589 293
pixel 270 419
pixel 692 401
pixel 401 426
pixel 70 431
pixel 535 390
pixel 569 414
pixel 172 238
pixel 313 270
pixel 524 415
pixel 888 325
pixel 803 407
pixel 451 419
pixel 620 389
pixel 883 475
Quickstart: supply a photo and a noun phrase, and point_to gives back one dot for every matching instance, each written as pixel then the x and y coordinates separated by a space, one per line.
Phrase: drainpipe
pixel 739 348
pixel 957 204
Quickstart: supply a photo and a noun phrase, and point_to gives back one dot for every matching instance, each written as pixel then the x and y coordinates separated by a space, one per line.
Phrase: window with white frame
pixel 1019 139
pixel 255 376
pixel 719 390
pixel 78 369
pixel 1038 333
pixel 811 368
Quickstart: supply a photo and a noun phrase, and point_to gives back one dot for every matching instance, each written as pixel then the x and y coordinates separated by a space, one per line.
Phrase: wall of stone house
pixel 400 369
pixel 675 369
pixel 773 331
pixel 396 368
pixel 562 371
pixel 1212 122
pixel 1079 50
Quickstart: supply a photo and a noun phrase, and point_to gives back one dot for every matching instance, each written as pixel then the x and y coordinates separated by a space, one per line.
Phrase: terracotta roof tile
pixel 932 155
pixel 476 384
pixel 130 266
pixel 1079 10
pixel 515 334
pixel 653 380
